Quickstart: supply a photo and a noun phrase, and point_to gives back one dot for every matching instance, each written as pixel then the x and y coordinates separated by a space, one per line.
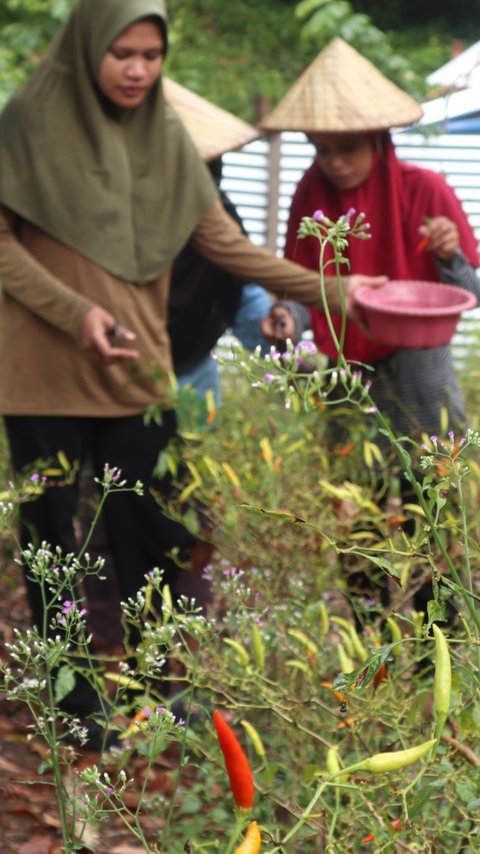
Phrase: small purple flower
pixel 351 212
pixel 35 478
pixel 306 348
pixel 67 607
pixel 180 722
pixel 318 216
pixel 147 711
pixel 373 410
pixel 268 378
pixel 160 710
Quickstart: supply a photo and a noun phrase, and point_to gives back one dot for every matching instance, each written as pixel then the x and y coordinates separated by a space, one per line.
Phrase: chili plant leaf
pixel 365 674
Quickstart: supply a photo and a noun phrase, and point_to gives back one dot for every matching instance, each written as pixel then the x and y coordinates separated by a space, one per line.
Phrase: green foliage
pixel 244 56
pixel 454 19
pixel 324 19
pixel 26 27
pixel 237 55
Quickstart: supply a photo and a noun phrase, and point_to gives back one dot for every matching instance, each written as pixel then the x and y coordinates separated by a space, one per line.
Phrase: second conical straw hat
pixel 213 130
pixel 340 92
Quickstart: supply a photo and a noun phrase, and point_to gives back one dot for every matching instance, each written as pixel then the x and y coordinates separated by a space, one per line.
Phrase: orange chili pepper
pixel 347 723
pixel 346 450
pixel 396 520
pixel 339 695
pixel 253 840
pixel 136 722
pixel 237 765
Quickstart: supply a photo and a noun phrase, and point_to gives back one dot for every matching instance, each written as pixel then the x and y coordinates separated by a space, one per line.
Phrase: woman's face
pixel 345 159
pixel 132 64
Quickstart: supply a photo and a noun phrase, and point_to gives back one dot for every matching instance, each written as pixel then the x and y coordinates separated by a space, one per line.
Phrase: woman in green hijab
pixel 100 187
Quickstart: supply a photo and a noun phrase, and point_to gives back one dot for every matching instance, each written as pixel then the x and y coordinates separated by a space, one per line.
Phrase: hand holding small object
pixel 100 334
pixel 439 236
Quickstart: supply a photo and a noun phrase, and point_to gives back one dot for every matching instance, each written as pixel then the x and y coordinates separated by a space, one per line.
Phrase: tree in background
pixel 26 27
pixel 242 53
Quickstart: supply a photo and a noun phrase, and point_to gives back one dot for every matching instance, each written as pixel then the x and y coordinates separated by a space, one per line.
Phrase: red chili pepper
pixel 380 675
pixel 422 245
pixel 237 765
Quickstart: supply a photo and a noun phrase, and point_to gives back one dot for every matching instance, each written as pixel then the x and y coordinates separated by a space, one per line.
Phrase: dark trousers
pixel 137 532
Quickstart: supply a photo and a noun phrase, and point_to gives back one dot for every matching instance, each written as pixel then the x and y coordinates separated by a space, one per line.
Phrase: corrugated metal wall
pixel 261 178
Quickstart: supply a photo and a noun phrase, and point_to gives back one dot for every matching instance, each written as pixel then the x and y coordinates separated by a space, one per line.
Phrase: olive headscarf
pixel 124 188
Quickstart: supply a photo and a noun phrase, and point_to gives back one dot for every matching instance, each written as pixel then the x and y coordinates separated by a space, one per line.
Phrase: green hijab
pixel 124 188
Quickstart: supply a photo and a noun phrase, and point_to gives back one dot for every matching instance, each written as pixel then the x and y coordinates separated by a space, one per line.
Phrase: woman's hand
pixel 351 284
pixel 442 237
pixel 99 335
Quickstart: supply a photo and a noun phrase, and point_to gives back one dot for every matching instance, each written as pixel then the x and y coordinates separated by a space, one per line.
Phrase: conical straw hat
pixel 340 92
pixel 213 130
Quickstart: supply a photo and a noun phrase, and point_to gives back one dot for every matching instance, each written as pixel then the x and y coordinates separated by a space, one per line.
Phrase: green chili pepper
pixel 258 651
pixel 443 680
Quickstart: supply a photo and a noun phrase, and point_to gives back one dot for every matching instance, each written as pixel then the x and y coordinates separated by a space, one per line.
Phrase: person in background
pixel 205 301
pixel 418 228
pixel 100 187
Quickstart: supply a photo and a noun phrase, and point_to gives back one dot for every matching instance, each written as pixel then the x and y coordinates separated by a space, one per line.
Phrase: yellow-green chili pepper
pixel 396 634
pixel 392 761
pixel 242 654
pixel 443 680
pixel 358 646
pixel 347 643
pixel 346 663
pixel 418 617
pixel 302 638
pixel 255 739
pixel 333 764
pixel 258 651
pixel 324 620
pixel 167 602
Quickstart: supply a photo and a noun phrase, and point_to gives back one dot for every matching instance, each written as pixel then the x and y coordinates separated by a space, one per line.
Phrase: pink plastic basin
pixel 413 314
